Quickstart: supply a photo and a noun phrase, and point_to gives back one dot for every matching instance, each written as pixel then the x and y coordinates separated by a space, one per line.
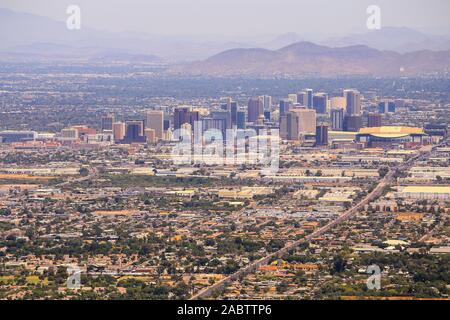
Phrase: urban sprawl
pixel 89 182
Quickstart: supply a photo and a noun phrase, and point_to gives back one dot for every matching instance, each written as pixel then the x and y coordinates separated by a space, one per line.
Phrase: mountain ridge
pixel 306 58
pixel 25 29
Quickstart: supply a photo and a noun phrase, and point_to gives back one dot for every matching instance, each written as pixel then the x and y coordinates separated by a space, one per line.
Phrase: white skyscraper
pixel 353 100
pixel 267 103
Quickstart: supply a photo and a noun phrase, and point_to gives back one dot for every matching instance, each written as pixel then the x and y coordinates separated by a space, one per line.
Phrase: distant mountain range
pixel 28 37
pixel 23 33
pixel 401 40
pixel 308 59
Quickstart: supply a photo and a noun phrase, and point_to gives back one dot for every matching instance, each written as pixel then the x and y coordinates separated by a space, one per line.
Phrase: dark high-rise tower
pixel 309 98
pixel 107 122
pixel 386 106
pixel 166 124
pixel 285 106
pixel 184 115
pixel 320 101
pixel 374 120
pixel 322 135
pixel 233 112
pixel 134 132
pixel 240 119
pixel 255 109
pixel 352 123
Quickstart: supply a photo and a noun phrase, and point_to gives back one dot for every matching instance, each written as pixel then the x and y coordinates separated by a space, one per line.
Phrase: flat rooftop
pixel 426 189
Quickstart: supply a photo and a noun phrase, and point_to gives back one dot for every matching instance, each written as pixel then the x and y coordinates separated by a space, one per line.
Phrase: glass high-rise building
pixel 134 132
pixel 309 98
pixel 255 109
pixel 353 100
pixel 387 106
pixel 240 119
pixel 184 115
pixel 352 123
pixel 233 112
pixel 267 100
pixel 322 135
pixel 320 102
pixel 107 122
pixel 285 106
pixel 337 119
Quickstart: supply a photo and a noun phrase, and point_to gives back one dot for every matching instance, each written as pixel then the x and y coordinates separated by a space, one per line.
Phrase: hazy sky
pixel 243 17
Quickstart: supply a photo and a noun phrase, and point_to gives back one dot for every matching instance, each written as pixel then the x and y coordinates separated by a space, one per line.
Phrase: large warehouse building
pixel 424 192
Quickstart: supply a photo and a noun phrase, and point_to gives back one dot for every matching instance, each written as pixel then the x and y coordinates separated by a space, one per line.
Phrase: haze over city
pixel 239 18
pixel 258 153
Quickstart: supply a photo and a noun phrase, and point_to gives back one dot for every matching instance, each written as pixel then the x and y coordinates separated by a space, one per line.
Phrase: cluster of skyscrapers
pixel 296 117
pixel 135 131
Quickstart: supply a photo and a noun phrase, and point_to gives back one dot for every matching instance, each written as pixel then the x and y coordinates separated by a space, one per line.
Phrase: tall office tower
pixel 233 113
pixel 386 106
pixel 337 119
pixel 184 115
pixel 302 98
pixel 292 132
pixel 320 101
pixel 300 121
pixel 181 115
pixel 137 125
pixel 134 132
pixel 322 135
pixel 224 117
pixel 155 121
pixel 309 97
pixel 374 120
pixel 166 125
pixel 193 117
pixel 307 120
pixel 150 135
pixel 107 122
pixel 352 123
pixel 118 131
pixel 240 123
pixel 285 106
pixel 353 101
pixel 255 109
pixel 267 100
pixel 292 97
pixel 283 127
pixel 215 124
